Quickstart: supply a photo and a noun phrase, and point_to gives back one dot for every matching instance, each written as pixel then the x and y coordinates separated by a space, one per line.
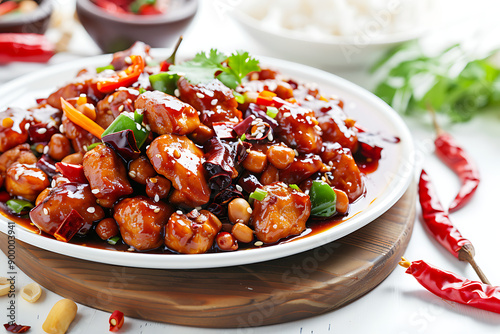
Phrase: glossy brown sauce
pixel 313 226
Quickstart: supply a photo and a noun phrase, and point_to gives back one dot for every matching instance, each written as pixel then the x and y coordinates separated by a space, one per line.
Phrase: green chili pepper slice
pixel 164 82
pixel 323 199
pixel 19 205
pixel 124 122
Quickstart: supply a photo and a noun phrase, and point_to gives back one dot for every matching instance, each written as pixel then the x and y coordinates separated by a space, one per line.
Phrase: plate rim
pixel 398 186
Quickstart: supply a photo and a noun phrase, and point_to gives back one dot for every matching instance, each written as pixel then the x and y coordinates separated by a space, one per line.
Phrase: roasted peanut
pixel 270 175
pixel 255 162
pixel 242 233
pixel 280 156
pixel 141 169
pixel 107 228
pixel 342 204
pixel 60 317
pixel 59 147
pixel 239 211
pixel 4 286
pixel 75 158
pixel 31 292
pixel 226 242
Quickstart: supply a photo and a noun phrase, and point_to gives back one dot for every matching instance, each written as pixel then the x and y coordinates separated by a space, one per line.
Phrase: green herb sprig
pixel 453 82
pixel 205 67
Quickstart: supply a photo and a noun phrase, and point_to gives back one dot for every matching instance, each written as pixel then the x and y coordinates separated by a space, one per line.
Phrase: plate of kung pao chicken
pixel 139 159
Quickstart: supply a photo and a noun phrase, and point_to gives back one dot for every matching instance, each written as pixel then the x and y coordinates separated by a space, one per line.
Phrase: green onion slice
pixel 103 68
pixel 239 98
pixel 258 194
pixel 272 112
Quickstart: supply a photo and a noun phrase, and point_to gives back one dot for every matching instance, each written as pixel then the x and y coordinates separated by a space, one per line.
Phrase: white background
pixel 399 304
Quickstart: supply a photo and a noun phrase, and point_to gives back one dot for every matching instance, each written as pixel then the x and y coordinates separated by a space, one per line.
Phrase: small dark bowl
pixel 35 22
pixel 117 32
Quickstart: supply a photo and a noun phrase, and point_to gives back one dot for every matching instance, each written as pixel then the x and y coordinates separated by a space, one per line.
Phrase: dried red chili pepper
pixel 452 287
pixel 116 321
pixel 25 47
pixel 439 225
pixel 15 328
pixel 454 156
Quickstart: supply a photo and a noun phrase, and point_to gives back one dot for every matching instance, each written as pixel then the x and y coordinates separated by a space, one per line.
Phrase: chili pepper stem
pixel 171 59
pixel 404 263
pixel 466 253
pixel 439 131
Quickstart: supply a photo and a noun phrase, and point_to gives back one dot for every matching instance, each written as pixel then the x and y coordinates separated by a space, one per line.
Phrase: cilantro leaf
pixel 205 67
pixel 451 82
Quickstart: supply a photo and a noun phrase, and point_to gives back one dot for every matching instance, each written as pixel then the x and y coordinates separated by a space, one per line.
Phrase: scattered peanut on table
pixel 60 317
pixel 31 292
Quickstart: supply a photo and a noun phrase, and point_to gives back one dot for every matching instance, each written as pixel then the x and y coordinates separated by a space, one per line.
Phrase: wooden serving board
pixel 271 292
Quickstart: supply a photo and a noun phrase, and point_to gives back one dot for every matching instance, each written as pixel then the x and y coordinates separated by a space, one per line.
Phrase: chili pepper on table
pixel 7 7
pixel 454 156
pixel 439 225
pixel 116 321
pixel 25 48
pixel 123 78
pixel 452 287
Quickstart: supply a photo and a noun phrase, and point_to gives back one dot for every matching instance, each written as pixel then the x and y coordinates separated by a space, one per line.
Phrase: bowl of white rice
pixel 335 33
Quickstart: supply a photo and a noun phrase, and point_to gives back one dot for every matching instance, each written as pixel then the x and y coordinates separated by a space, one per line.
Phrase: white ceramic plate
pixel 384 187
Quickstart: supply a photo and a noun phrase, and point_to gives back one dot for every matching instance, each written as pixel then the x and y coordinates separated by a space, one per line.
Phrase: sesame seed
pixel 45 211
pixel 61 128
pixel 287 114
pixel 177 93
pixel 110 98
pixel 157 198
pixel 270 136
pixel 309 98
pixel 120 108
pixel 296 152
pixel 214 102
pixel 200 95
pixel 45 150
pixel 317 127
pixel 258 243
pixel 85 148
pixel 239 188
pixel 138 126
pixel 131 249
pixel 179 212
pixel 95 191
pixel 158 155
pixel 147 128
pixel 27 126
pixel 249 210
pixel 129 100
pixel 132 174
pixel 157 209
pixel 53 183
pixel 259 135
pixel 128 60
pixel 41 131
pixel 198 208
pixel 147 147
pixel 91 209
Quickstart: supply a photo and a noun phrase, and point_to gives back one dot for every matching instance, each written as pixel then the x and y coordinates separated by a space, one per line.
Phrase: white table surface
pixel 399 304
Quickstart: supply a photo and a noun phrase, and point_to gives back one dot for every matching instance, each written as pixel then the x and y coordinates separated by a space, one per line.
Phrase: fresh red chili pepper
pixel 123 78
pixel 4 196
pixel 7 7
pixel 439 225
pixel 15 328
pixel 452 287
pixel 74 173
pixel 25 48
pixel 110 6
pixel 116 321
pixel 454 156
pixel 436 219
